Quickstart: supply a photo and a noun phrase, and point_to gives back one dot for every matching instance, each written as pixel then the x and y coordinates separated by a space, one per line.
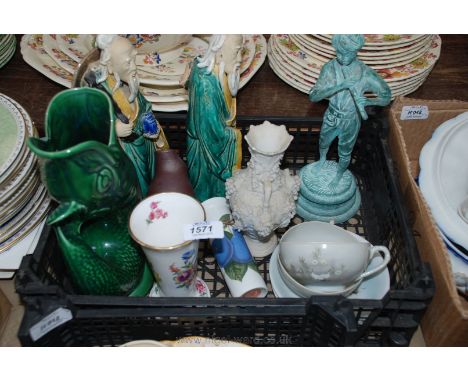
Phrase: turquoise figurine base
pixel 318 201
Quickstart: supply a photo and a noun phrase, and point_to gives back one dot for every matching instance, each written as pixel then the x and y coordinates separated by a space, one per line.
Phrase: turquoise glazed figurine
pixel 213 142
pixel 95 184
pixel 138 130
pixel 328 189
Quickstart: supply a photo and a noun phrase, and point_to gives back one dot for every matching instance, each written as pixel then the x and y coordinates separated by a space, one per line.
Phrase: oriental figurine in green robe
pixel 213 141
pixel 328 189
pixel 138 130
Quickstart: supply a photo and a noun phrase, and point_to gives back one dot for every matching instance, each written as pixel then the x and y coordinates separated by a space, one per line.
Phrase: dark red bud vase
pixel 171 174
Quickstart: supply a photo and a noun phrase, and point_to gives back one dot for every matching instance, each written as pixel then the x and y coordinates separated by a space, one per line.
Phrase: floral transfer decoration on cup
pixel 201 288
pixel 156 212
pixel 183 276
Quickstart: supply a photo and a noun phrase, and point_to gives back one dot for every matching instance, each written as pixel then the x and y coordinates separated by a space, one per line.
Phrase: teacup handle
pixel 373 252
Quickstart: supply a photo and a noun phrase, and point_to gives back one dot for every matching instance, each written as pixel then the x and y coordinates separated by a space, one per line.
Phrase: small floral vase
pixel 157 224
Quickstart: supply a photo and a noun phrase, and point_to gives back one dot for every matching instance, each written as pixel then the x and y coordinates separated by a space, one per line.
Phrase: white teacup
pixel 321 254
pixel 157 224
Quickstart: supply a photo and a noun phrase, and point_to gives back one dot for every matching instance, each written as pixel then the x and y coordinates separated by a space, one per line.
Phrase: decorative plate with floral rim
pixel 258 60
pixel 286 70
pixel 24 163
pixel 10 259
pixel 7 48
pixel 376 62
pixel 292 66
pixel 31 221
pixel 49 43
pixel 301 81
pixel 154 95
pixel 285 76
pixel 34 54
pixel 248 52
pixel 417 66
pixel 246 75
pixel 170 107
pixel 75 46
pixel 170 64
pixel 383 41
pixel 8 55
pixel 13 137
pixel 325 47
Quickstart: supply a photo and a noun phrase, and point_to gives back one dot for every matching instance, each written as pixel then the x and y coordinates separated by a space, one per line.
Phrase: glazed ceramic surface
pixel 24 203
pixel 444 176
pixel 302 79
pixel 151 73
pixel 76 46
pixel 171 174
pixel 34 54
pixel 321 254
pixel 324 48
pixel 232 254
pixel 10 259
pixel 172 63
pixel 201 290
pixel 297 60
pixel 7 48
pixel 95 184
pixel 13 135
pixel 157 224
pixel 373 288
pixel 157 43
pixel 378 62
pixel 454 248
pixel 50 45
pixel 383 41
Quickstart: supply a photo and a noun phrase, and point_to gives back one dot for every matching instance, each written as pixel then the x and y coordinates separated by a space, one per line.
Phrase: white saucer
pixel 443 178
pixel 200 286
pixel 373 288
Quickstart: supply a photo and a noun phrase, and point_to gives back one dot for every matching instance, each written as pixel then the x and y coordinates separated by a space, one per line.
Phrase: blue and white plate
pixel 455 249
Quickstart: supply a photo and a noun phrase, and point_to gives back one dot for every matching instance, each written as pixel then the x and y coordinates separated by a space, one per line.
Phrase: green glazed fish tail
pixel 93 274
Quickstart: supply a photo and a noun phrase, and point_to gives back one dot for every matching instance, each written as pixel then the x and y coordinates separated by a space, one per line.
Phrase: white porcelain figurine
pixel 262 197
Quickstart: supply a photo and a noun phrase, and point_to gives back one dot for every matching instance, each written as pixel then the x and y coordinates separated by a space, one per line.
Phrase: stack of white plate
pixel 161 61
pixel 7 48
pixel 24 202
pixel 444 183
pixel 403 61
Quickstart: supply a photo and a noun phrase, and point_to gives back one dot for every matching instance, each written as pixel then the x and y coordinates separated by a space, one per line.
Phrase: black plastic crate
pixel 44 286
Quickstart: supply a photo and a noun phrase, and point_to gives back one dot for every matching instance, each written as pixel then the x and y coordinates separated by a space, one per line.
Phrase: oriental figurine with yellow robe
pixel 138 130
